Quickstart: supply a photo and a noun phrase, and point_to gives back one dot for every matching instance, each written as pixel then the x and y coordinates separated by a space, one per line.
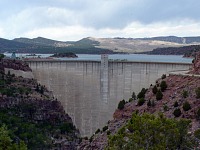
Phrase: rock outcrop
pixel 196 65
pixel 26 100
pixel 14 64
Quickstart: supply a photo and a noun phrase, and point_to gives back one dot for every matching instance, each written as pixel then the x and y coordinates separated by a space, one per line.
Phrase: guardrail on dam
pixel 91 90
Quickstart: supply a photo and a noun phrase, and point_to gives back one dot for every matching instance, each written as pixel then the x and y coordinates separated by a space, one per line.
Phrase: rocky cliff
pixel 196 65
pixel 31 113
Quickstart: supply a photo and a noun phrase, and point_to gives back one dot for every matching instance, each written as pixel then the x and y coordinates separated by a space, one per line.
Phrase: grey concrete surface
pixel 90 90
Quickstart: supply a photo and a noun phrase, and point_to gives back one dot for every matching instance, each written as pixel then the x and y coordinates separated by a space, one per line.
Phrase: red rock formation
pixel 196 65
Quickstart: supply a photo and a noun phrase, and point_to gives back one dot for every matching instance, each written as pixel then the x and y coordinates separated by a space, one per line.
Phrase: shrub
pixel 197 133
pixel 197 91
pixel 8 73
pixel 149 103
pixel 193 61
pixel 185 94
pixel 141 94
pixel 177 112
pixel 163 76
pixel 153 103
pixel 141 101
pixel 186 106
pixel 98 130
pixel 121 104
pixel 163 86
pixel 198 113
pixel 159 95
pixel 165 107
pixel 133 96
pixel 105 128
pixel 175 104
pixel 155 89
pixel 91 138
pixel 108 132
pixel 130 100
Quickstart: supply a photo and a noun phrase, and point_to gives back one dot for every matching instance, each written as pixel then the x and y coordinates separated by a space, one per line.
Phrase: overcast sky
pixel 75 19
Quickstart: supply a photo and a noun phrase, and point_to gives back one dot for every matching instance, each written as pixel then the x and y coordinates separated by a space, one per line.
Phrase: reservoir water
pixel 124 57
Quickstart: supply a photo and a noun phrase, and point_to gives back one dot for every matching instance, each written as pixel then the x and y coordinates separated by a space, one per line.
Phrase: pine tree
pixel 186 106
pixel 149 103
pixel 121 104
pixel 159 95
pixel 163 86
pixel 155 89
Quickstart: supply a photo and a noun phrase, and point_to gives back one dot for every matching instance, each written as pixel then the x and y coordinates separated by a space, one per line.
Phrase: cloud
pixel 78 18
pixel 135 30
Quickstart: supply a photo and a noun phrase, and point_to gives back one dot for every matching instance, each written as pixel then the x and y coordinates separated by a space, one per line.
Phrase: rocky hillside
pixel 91 45
pixel 44 46
pixel 32 114
pixel 43 41
pixel 187 51
pixel 131 45
pixel 196 64
pixel 176 96
pixel 175 39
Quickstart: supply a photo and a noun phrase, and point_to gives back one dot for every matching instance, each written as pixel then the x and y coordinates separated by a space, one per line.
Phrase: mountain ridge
pixel 95 45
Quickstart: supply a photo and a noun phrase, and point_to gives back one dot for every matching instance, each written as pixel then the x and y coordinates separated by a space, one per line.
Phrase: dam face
pixel 91 90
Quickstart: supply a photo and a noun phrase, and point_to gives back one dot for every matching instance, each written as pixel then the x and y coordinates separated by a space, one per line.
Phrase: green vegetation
pixel 34 134
pixel 97 131
pixel 141 94
pixel 108 132
pixel 149 103
pixel 163 86
pixel 121 104
pixel 186 106
pixel 155 89
pixel 84 46
pixel 6 143
pixel 159 95
pixel 165 107
pixel 141 101
pixel 133 96
pixel 130 100
pixel 105 128
pixel 177 112
pixel 198 113
pixel 185 94
pixel 175 104
pixel 163 76
pixel 31 121
pixel 197 134
pixel 153 133
pixel 153 103
pixel 2 56
pixel 197 91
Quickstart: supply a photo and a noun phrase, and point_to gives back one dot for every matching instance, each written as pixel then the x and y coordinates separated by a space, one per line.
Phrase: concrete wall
pixel 90 91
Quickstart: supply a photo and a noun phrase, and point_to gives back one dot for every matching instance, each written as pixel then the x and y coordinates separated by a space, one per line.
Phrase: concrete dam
pixel 91 90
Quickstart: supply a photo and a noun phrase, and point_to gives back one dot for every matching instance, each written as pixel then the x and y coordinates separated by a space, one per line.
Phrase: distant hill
pixel 9 45
pixel 43 41
pixel 187 51
pixel 135 45
pixel 175 39
pixel 43 45
pixel 92 45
